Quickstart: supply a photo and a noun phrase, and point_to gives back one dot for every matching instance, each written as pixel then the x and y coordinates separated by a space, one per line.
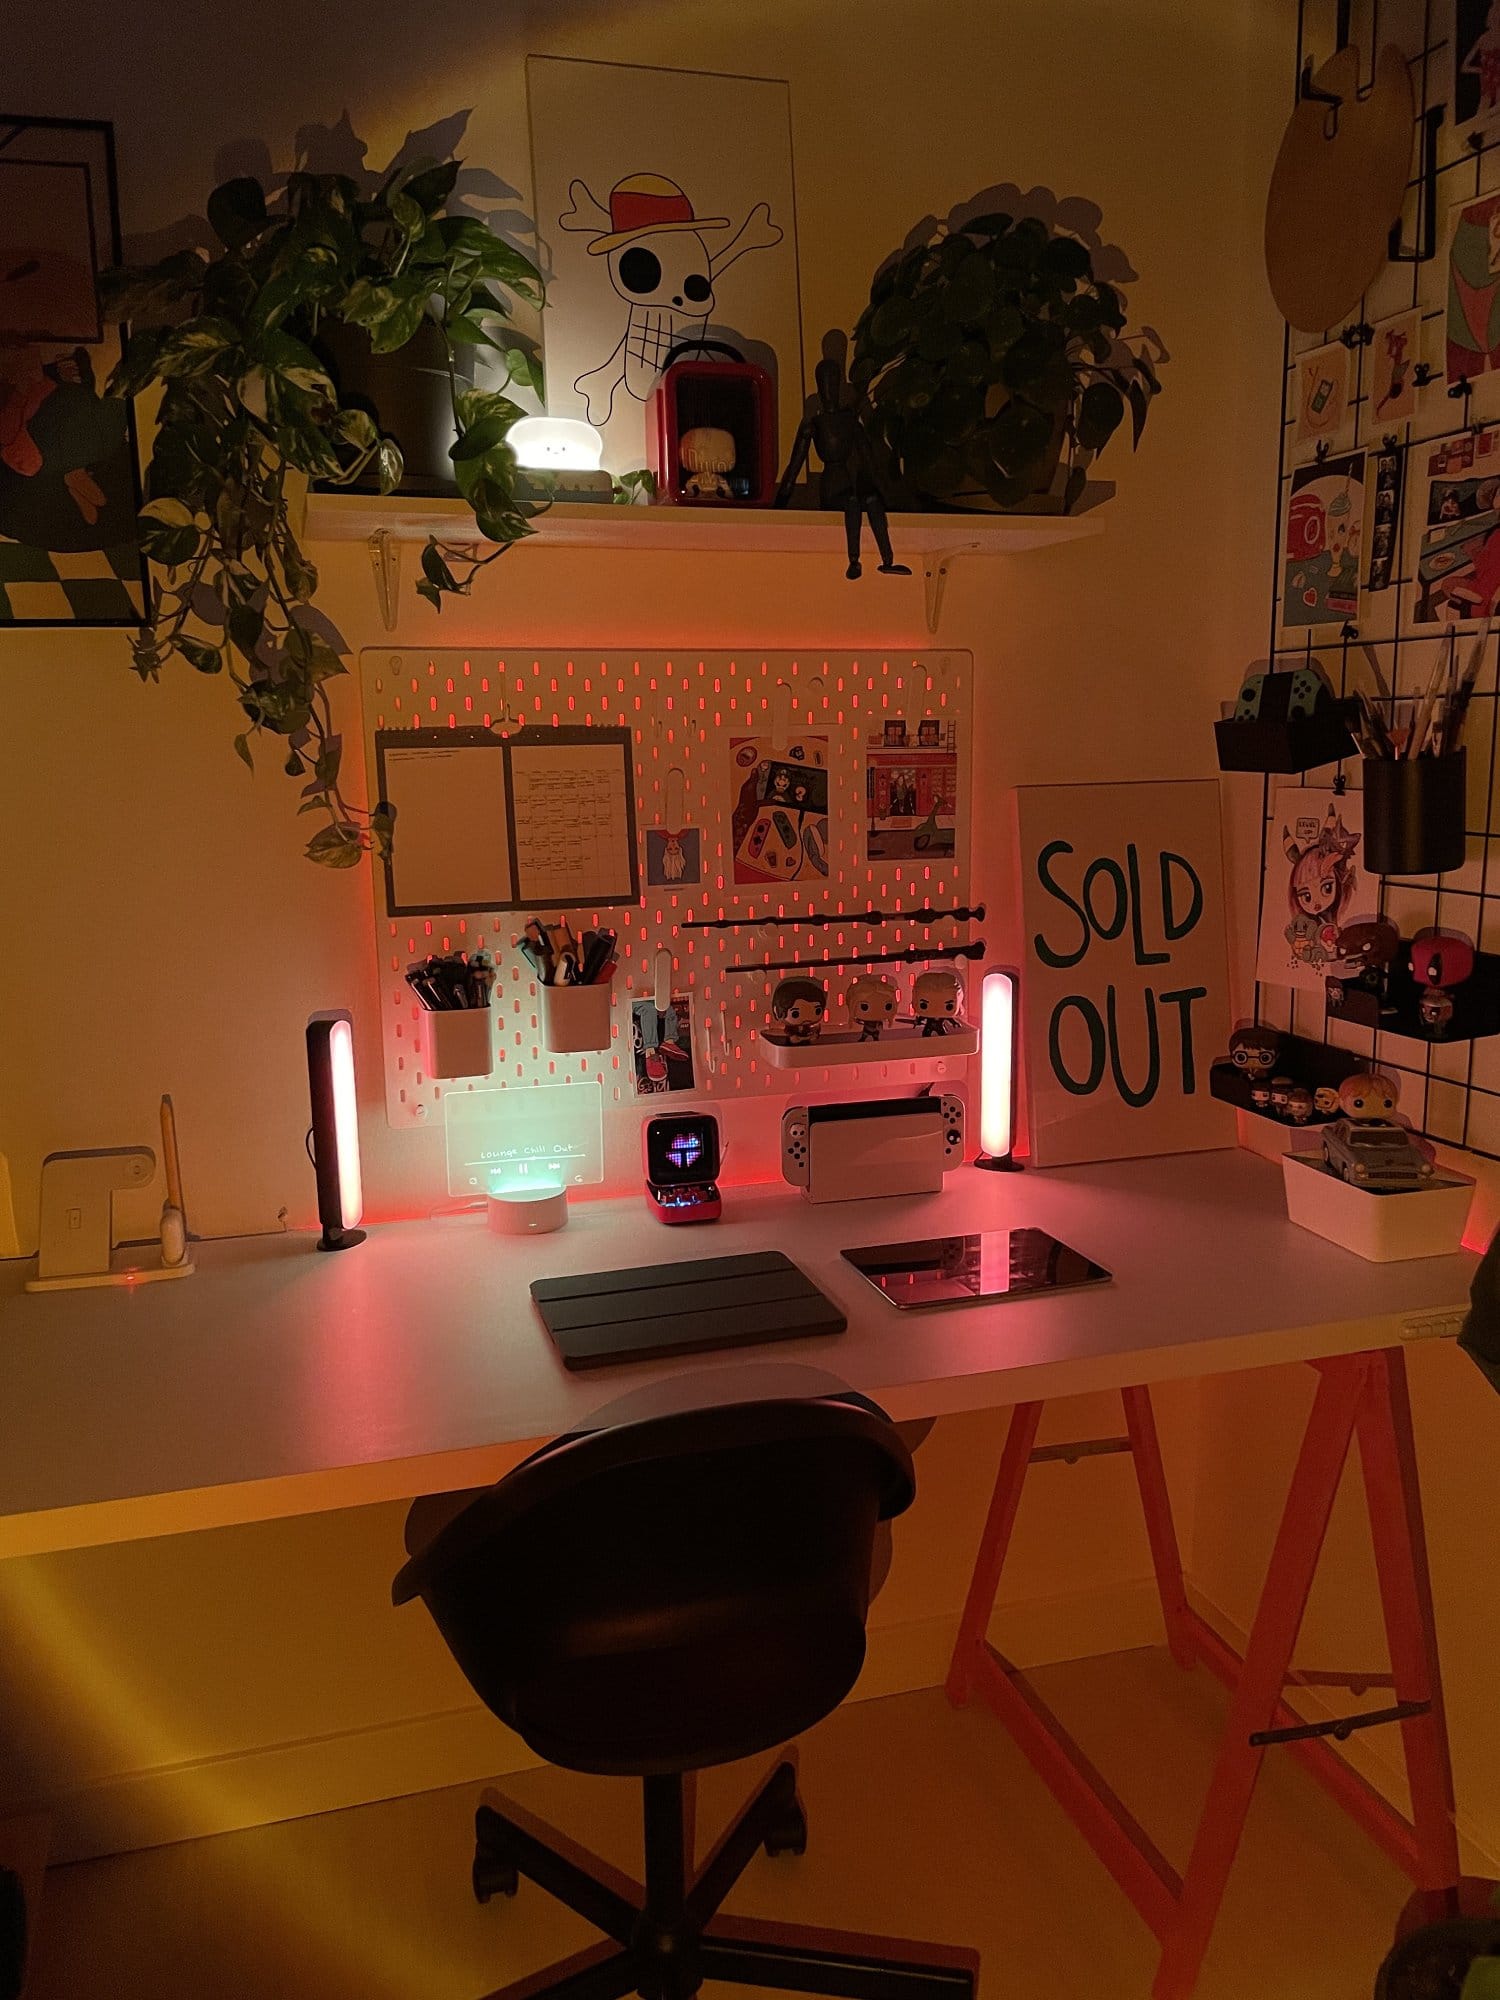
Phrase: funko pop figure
pixel 936 998
pixel 1299 1104
pixel 1369 1097
pixel 1326 1101
pixel 1368 948
pixel 706 454
pixel 798 1007
pixel 1439 960
pixel 871 1004
pixel 1254 1051
pixel 1281 1090
pixel 1260 1096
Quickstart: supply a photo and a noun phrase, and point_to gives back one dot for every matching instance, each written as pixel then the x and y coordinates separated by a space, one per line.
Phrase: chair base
pixel 664 1940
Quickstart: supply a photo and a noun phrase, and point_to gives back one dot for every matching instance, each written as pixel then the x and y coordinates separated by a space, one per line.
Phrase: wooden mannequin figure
pixel 850 480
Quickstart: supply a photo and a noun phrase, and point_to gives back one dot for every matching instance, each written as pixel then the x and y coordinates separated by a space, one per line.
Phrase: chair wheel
pixel 493 1875
pixel 788 1833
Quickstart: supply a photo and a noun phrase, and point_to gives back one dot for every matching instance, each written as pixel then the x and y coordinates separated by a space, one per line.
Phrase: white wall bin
pixel 575 1019
pixel 459 1042
pixel 1382 1228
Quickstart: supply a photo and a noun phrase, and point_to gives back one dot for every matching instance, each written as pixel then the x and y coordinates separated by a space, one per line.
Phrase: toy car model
pixel 1374 1154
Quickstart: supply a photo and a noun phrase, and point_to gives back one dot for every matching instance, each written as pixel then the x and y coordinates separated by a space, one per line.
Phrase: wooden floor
pixel 923 1821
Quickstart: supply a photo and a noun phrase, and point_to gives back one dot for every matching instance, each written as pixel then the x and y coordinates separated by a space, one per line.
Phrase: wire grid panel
pixel 683 709
pixel 1449 1090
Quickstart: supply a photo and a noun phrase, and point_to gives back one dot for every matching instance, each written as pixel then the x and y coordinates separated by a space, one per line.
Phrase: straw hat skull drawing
pixel 659 262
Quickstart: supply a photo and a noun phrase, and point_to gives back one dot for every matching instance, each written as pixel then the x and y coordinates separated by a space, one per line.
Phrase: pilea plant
pixel 250 413
pixel 987 350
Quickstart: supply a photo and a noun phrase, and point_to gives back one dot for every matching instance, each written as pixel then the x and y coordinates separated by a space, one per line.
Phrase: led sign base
pixel 999 1034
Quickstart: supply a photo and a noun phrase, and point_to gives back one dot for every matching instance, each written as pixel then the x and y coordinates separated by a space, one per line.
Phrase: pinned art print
pixel 661 1041
pixel 1322 393
pixel 1458 559
pixel 665 208
pixel 1476 61
pixel 1324 536
pixel 1385 534
pixel 779 820
pixel 1314 882
pixel 911 789
pixel 1395 351
pixel 1472 345
pixel 69 553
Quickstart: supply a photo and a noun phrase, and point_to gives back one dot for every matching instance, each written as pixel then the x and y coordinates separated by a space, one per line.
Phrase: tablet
pixel 973 1270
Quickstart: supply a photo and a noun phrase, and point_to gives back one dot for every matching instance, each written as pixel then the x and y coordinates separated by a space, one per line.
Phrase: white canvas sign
pixel 665 211
pixel 1124 981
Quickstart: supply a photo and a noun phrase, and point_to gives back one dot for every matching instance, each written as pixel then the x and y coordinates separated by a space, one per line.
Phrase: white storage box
pixel 1382 1228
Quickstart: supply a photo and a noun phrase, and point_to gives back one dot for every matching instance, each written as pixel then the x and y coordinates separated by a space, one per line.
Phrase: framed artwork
pixel 1125 972
pixel 1325 520
pixel 1458 556
pixel 1322 393
pixel 1395 351
pixel 69 480
pixel 654 239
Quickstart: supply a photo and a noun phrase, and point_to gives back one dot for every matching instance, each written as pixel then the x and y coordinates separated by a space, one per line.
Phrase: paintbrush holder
pixel 459 1042
pixel 1414 813
pixel 575 1019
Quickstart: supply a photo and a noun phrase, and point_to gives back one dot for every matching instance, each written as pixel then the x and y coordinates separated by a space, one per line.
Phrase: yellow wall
pixel 135 844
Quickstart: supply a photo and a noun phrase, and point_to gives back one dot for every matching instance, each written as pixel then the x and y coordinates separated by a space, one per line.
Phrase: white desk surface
pixel 276 1381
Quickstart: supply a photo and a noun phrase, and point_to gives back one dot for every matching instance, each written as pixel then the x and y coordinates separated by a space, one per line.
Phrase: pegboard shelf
pixel 352 517
pixel 839 1047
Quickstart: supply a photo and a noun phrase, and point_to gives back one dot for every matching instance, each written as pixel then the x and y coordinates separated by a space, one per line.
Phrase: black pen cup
pixel 1414 813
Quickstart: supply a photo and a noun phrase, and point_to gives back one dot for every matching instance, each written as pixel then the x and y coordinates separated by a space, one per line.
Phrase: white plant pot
pixel 1382 1228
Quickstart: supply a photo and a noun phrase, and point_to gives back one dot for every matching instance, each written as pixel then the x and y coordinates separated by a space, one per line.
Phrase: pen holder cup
pixel 575 1019
pixel 460 1042
pixel 1414 813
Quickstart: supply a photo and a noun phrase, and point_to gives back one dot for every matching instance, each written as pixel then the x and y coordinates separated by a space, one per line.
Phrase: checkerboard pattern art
pixel 70 586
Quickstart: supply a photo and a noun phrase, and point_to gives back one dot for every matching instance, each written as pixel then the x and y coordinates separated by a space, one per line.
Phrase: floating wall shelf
pixel 836 1046
pixel 386 524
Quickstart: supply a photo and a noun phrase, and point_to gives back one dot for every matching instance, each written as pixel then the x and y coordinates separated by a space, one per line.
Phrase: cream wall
pixel 136 843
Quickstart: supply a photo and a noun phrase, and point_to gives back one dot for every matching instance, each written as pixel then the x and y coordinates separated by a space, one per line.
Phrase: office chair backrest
pixel 674 1593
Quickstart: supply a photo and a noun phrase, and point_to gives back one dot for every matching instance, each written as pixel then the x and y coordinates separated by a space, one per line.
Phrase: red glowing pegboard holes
pixel 840 695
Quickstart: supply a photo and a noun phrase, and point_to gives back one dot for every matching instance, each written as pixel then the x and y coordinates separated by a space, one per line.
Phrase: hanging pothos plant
pixel 250 414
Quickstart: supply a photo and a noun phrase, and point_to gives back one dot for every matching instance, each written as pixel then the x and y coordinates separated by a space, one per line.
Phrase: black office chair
pixel 652 1599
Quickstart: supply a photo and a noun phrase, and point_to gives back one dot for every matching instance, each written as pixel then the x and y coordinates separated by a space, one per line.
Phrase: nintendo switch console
pixel 682 1165
pixel 879 1146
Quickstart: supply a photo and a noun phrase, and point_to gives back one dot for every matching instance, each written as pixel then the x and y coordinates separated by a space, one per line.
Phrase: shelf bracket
pixel 934 584
pixel 385 561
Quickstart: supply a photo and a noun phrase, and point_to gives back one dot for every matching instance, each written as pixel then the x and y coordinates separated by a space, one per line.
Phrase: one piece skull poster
pixel 665 217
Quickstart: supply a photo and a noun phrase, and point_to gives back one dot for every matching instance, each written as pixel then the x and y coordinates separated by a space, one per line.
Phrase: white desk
pixel 276 1381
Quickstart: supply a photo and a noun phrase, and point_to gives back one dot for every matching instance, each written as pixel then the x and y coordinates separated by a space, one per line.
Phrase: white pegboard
pixel 683 708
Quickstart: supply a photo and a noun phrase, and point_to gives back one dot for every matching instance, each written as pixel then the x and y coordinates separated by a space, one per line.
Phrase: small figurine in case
pixel 705 455
pixel 1440 960
pixel 799 1007
pixel 937 1000
pixel 871 1004
pixel 682 1167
